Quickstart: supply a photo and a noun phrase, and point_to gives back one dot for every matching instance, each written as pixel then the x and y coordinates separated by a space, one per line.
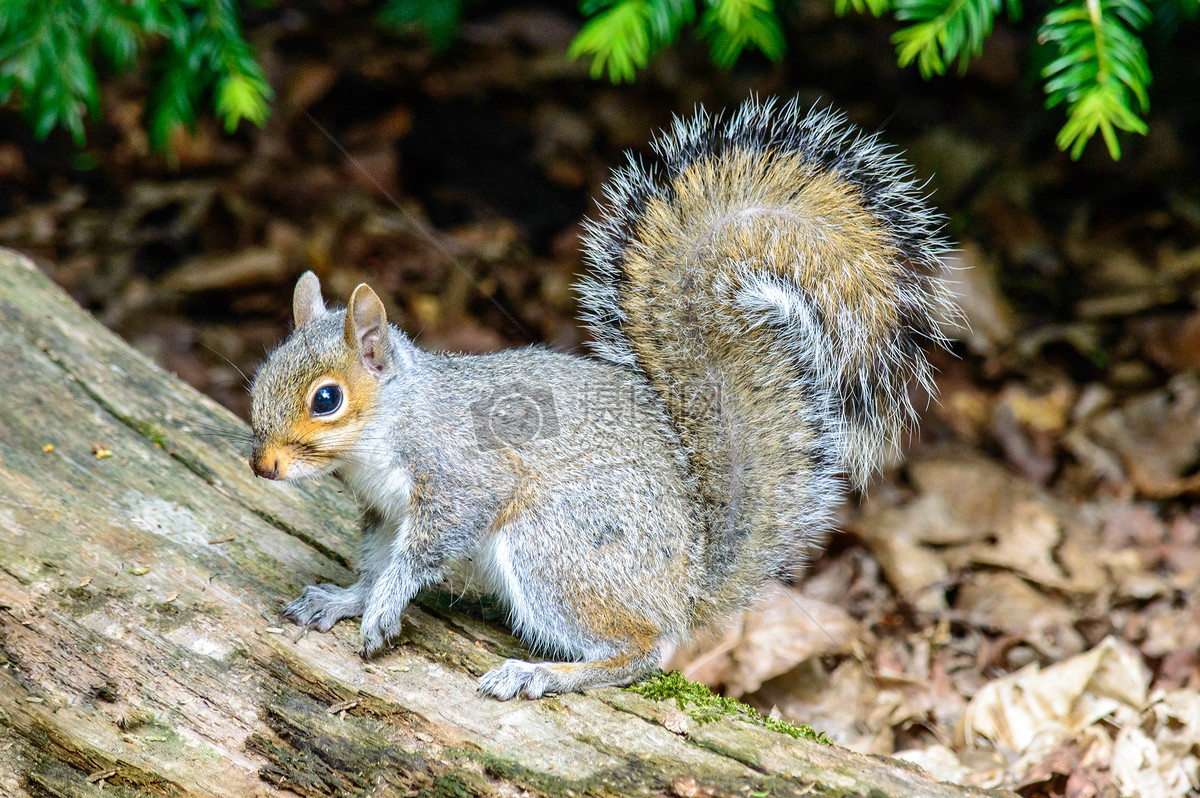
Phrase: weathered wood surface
pixel 142 650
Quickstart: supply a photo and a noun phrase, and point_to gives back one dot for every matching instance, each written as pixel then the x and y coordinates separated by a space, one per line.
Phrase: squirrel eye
pixel 326 400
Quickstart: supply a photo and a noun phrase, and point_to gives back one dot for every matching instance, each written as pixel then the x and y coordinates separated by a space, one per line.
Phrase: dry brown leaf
pixel 978 493
pixel 786 629
pixel 1056 765
pixel 1000 600
pixel 998 520
pixel 1098 462
pixel 1136 765
pixel 1046 412
pixel 987 768
pixel 975 289
pixel 1042 542
pixel 1171 629
pixel 907 701
pixel 838 703
pixel 1125 524
pixel 1075 768
pixel 1081 569
pixel 308 83
pixel 1173 723
pixel 1172 342
pixel 894 536
pixel 1025 543
pixel 1051 704
pixel 1179 668
pixel 1010 522
pixel 965 407
pixel 1157 438
pixel 1031 455
pixel 939 760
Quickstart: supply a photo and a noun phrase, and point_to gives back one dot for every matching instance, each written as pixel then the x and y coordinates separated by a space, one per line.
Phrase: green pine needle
pixel 241 97
pixel 170 105
pixel 942 31
pixel 49 52
pixel 876 8
pixel 618 40
pixel 623 34
pixel 44 66
pixel 1101 72
pixel 733 25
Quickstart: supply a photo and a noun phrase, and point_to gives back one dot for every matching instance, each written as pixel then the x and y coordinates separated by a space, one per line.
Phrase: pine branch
pixel 876 8
pixel 205 49
pixel 1101 72
pixel 942 31
pixel 621 36
pixel 43 67
pixel 617 39
pixel 49 51
pixel 733 25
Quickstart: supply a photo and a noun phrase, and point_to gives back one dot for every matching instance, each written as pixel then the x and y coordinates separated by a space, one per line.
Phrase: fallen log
pixel 142 652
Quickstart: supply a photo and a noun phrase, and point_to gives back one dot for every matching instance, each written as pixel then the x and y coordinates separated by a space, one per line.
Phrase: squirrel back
pixel 771 276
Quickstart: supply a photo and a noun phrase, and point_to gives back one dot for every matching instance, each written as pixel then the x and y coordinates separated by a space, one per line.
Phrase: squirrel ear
pixel 367 328
pixel 306 300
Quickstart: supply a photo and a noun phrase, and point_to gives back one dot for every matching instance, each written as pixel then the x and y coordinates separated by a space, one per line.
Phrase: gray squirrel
pixel 757 295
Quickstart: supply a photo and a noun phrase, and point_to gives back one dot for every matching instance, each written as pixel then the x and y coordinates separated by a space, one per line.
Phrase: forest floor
pixel 1018 605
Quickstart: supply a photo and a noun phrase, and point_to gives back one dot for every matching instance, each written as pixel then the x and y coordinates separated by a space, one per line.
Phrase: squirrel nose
pixel 259 466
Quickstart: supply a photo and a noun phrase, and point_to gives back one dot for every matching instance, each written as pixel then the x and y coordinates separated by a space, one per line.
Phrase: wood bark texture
pixel 142 651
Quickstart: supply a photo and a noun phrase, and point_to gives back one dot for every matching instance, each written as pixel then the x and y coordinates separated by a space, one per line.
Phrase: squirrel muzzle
pixel 268 464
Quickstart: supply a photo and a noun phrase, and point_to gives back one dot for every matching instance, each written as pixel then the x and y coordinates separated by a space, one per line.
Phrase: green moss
pixel 704 706
pixel 451 785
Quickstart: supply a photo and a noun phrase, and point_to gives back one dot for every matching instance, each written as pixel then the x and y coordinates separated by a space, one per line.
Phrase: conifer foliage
pixel 1101 71
pixel 51 50
pixel 1097 65
pixel 198 61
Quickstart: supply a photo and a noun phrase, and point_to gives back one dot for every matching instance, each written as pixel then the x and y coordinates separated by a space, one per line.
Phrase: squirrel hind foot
pixel 536 679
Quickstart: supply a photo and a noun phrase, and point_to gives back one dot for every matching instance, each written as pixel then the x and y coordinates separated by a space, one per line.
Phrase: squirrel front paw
pixel 378 626
pixel 513 677
pixel 321 606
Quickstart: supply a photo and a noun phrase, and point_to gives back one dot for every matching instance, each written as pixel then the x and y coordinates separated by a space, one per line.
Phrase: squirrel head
pixel 317 391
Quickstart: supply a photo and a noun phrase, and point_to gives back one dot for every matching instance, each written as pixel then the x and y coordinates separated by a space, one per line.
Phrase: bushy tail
pixel 771 275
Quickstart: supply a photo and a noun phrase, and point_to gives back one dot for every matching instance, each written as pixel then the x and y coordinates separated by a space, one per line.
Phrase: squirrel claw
pixel 372 644
pixel 321 606
pixel 376 632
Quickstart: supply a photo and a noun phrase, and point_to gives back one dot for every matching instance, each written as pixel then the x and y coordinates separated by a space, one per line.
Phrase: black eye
pixel 327 399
